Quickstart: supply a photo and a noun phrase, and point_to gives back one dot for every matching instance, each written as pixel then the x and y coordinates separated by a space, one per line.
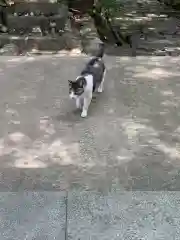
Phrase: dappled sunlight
pixel 25 160
pixel 141 135
pixel 17 137
pixel 12 112
pixel 12 116
pixel 138 69
pixel 171 103
pixel 14 61
pixel 124 156
pixel 176 135
pixel 17 59
pixel 30 59
pixel 124 159
pixel 72 53
pixel 137 134
pixel 18 150
pixel 134 130
pixel 153 109
pixel 62 154
pixel 26 98
pixel 24 153
pixel 149 68
pixel 163 113
pixel 177 130
pixel 46 126
pixel 123 59
pixel 171 152
pixel 150 61
pixel 156 74
pixel 154 112
pixel 167 93
pixel 75 52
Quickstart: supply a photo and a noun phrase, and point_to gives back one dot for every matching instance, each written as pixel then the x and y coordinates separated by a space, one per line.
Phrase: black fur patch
pixel 77 86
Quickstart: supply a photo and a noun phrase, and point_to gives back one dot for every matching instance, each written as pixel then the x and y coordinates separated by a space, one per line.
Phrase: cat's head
pixel 76 88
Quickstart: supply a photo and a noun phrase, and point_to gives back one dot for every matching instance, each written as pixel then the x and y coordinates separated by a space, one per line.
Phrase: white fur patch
pixel 96 65
pixel 72 95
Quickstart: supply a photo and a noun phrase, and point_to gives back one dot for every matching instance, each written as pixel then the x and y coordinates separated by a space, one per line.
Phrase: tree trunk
pixel 100 24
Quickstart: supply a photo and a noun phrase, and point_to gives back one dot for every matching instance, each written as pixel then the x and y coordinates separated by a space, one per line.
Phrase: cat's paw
pixel 100 90
pixel 84 114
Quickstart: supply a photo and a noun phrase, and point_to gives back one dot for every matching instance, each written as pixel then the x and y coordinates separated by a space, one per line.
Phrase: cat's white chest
pixel 83 101
pixel 89 84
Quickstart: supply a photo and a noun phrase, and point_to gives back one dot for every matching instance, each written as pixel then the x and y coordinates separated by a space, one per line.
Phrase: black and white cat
pixel 90 80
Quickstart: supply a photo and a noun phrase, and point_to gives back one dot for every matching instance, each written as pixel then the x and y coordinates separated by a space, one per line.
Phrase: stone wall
pixel 37 24
pixel 45 17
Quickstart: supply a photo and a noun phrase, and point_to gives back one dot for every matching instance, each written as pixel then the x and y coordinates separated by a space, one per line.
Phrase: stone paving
pixel 56 167
pixel 89 215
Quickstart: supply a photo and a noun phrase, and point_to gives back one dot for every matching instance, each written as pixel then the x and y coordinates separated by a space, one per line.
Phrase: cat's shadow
pixel 70 116
pixel 74 115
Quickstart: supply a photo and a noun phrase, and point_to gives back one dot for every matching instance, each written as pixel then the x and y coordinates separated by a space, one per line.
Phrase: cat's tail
pixel 100 54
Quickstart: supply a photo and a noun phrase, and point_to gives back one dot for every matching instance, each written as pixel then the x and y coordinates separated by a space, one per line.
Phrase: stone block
pixel 9 180
pixel 37 8
pixel 41 43
pixel 26 24
pixel 32 215
pixel 123 215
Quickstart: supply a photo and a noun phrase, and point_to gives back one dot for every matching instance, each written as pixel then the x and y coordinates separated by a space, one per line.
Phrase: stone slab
pixel 123 215
pixel 45 8
pixel 32 215
pixel 41 43
pixel 9 179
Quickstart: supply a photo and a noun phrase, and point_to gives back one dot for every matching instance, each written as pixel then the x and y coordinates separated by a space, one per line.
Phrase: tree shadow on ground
pixel 129 141
pixel 153 125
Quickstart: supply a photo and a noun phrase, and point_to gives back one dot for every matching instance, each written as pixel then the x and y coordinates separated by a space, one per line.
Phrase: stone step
pixel 25 24
pixel 24 44
pixel 37 8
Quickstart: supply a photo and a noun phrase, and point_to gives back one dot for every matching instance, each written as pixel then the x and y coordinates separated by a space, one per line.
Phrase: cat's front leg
pixel 78 103
pixel 101 86
pixel 87 101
